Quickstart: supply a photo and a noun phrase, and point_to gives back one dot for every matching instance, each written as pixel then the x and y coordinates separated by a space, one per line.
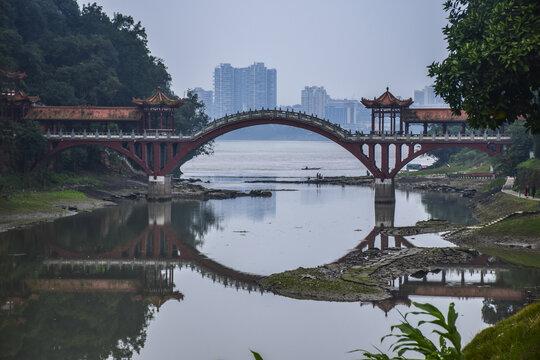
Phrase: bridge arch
pixel 61 146
pixel 311 123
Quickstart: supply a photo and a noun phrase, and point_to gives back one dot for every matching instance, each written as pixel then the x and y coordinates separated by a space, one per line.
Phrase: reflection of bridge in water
pixel 481 277
pixel 460 281
pixel 156 250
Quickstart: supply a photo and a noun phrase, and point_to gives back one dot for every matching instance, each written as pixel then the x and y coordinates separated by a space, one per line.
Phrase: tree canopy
pixel 78 56
pixel 492 71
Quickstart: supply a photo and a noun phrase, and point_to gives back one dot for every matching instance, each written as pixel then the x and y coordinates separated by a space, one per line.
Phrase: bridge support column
pixel 159 188
pixel 384 191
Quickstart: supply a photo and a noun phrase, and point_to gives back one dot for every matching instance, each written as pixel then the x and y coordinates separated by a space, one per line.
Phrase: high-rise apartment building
pixel 241 89
pixel 224 90
pixel 314 99
pixel 428 98
pixel 206 97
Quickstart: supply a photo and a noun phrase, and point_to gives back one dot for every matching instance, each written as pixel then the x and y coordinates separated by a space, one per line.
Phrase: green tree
pixel 492 71
pixel 536 140
pixel 517 152
pixel 30 144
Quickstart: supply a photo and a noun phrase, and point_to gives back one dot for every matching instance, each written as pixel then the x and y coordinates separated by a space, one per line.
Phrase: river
pixel 177 280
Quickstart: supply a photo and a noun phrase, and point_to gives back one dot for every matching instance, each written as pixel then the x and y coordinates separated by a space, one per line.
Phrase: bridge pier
pixel 384 191
pixel 159 188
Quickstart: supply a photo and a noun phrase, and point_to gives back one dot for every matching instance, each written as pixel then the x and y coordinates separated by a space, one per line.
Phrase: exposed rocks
pixel 184 190
pixel 422 227
pixel 362 275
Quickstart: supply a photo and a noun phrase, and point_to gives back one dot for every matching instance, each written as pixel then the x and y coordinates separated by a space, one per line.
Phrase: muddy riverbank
pixel 109 193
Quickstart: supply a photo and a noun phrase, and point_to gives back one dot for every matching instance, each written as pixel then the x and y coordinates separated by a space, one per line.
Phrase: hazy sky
pixel 353 48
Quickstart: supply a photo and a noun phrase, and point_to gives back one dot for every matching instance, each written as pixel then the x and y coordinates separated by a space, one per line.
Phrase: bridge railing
pixel 299 117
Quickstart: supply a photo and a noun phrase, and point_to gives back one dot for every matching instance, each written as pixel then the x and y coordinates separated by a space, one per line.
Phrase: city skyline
pixel 341 45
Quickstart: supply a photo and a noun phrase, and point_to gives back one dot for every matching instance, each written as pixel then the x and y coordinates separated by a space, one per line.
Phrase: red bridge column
pixel 384 159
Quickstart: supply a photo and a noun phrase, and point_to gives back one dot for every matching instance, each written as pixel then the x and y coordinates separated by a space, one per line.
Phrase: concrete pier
pixel 159 188
pixel 384 191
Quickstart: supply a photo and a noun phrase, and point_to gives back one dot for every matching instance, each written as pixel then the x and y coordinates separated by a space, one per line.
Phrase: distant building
pixel 350 114
pixel 295 108
pixel 427 98
pixel 418 97
pixel 241 89
pixel 314 99
pixel 224 90
pixel 206 97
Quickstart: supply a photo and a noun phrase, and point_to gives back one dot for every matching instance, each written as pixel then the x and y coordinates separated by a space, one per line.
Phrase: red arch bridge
pixel 158 153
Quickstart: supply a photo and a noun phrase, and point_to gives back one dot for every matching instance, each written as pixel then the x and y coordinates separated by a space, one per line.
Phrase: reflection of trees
pixel 520 277
pixel 449 207
pixel 100 230
pixel 494 311
pixel 191 220
pixel 76 326
pixel 69 324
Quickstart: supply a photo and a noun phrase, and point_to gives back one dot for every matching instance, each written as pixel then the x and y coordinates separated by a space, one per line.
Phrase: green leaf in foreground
pixel 411 339
pixel 256 355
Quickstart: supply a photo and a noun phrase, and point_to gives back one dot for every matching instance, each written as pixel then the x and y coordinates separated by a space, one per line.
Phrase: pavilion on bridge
pixel 389 105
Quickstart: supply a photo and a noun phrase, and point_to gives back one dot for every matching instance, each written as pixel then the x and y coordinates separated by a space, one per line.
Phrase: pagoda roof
pixel 158 99
pixel 83 113
pixel 16 96
pixel 386 100
pixel 13 75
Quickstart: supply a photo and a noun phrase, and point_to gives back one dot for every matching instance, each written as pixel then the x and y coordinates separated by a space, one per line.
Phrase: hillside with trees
pixel 78 56
pixel 75 56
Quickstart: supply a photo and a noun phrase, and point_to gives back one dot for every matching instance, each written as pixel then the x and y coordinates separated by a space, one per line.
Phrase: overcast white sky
pixel 354 48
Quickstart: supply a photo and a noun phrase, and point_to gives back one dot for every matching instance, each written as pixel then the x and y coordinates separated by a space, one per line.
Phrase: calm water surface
pixel 178 280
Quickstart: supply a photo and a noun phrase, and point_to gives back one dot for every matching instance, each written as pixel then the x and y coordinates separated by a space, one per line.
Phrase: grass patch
pixel 313 284
pixel 533 163
pixel 501 204
pixel 44 180
pixel 514 338
pixel 519 257
pixel 497 183
pixel 29 202
pixel 518 226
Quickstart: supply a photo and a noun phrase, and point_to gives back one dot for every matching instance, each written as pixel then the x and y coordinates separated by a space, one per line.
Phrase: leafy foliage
pixel 411 338
pixel 75 57
pixel 29 142
pixel 493 68
pixel 84 57
pixel 517 152
pixel 256 355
